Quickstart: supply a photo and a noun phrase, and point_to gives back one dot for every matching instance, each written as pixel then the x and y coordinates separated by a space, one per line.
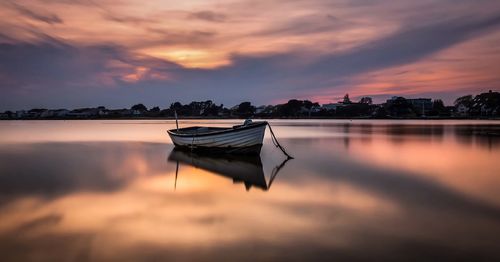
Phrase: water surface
pixel 362 190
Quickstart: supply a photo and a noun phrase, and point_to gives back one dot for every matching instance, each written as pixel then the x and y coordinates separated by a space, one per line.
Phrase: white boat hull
pixel 244 139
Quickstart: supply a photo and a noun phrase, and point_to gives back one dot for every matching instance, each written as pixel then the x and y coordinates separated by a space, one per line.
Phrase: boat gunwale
pixel 173 132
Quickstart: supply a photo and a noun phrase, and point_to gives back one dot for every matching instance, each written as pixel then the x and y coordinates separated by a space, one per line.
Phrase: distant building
pixel 78 114
pixel 421 105
pixel 462 110
pixel 46 113
pixel 260 109
pixel 265 110
pixel 315 109
pixel 20 113
pixel 102 111
pixel 332 106
pixel 83 112
pixel 35 113
pixel 60 112
pixel 309 111
pixel 304 110
pixel 124 112
pixel 392 99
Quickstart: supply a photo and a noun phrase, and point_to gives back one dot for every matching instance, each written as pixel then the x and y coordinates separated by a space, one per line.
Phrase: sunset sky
pixel 84 53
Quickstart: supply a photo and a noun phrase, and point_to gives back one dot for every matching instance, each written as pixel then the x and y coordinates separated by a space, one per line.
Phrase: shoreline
pixel 259 118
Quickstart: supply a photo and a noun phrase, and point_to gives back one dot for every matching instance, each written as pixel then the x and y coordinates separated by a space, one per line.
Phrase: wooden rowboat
pixel 246 138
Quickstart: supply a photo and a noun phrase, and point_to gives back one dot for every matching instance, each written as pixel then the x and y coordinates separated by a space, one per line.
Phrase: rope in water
pixel 275 171
pixel 277 144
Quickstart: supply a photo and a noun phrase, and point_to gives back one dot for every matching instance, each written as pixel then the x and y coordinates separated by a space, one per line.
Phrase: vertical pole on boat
pixel 176 121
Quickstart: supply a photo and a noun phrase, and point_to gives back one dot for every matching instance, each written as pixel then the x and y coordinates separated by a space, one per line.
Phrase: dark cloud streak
pixel 46 18
pixel 308 24
pixel 403 47
pixel 210 16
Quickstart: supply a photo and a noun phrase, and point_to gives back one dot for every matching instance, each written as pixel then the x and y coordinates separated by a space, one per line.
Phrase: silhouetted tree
pixel 366 100
pixel 307 104
pixel 380 112
pixel 400 107
pixel 211 109
pixel 176 106
pixel 464 100
pixel 354 110
pixel 291 108
pixel 245 109
pixel 182 110
pixel 438 108
pixel 166 112
pixel 486 104
pixel 139 107
pixel 346 100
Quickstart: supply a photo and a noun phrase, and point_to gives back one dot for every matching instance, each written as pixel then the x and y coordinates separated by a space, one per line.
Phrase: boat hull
pixel 241 140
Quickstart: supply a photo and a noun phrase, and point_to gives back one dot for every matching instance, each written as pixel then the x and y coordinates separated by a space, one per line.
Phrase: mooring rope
pixel 275 171
pixel 276 143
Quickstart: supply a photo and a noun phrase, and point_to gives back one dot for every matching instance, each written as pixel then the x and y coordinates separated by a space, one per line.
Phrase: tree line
pixel 486 105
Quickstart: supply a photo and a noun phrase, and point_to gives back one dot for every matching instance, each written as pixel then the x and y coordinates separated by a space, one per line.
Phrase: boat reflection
pixel 246 169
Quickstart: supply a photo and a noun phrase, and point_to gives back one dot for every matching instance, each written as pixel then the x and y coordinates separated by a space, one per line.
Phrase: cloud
pixel 307 24
pixel 51 72
pixel 408 45
pixel 124 19
pixel 50 63
pixel 46 18
pixel 290 74
pixel 40 222
pixel 210 16
pixel 312 52
pixel 171 37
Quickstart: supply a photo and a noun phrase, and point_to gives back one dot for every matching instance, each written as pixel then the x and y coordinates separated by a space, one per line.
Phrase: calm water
pixel 357 190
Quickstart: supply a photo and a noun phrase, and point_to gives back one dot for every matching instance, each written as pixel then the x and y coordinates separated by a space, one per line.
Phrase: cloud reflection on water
pixel 364 198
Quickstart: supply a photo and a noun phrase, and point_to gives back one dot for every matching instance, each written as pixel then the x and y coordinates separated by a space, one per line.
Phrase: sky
pixel 85 53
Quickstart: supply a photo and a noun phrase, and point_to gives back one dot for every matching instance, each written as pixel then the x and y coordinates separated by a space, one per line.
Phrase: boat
pixel 239 139
pixel 246 169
